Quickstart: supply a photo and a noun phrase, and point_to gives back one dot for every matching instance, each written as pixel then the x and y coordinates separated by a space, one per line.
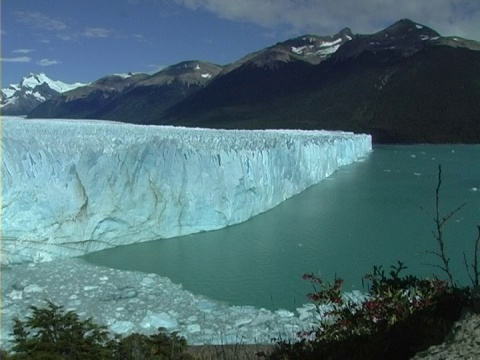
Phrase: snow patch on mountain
pixel 298 50
pixel 327 51
pixel 125 75
pixel 331 43
pixel 317 48
pixel 8 92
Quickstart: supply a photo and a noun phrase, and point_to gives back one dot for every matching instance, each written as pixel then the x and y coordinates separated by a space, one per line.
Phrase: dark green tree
pixel 161 345
pixel 52 333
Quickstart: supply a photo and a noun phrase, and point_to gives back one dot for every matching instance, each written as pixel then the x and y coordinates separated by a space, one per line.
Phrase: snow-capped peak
pixel 125 75
pixel 33 89
pixel 33 80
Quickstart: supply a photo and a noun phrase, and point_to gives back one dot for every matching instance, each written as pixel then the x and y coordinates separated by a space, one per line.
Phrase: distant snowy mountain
pixel 32 90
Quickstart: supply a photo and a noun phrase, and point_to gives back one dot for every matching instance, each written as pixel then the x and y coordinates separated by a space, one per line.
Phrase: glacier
pixel 71 187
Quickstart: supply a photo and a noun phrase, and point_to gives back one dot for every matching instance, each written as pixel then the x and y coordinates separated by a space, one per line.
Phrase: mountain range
pixel 404 84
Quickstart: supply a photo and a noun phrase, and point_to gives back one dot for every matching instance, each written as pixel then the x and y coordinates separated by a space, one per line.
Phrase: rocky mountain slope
pixel 403 84
pixel 136 98
pixel 149 98
pixel 85 101
pixel 32 90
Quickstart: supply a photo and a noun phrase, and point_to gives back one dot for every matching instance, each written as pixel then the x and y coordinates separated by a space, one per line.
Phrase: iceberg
pixel 71 187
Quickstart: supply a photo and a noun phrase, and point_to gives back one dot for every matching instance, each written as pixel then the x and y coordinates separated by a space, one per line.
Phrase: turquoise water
pixel 365 214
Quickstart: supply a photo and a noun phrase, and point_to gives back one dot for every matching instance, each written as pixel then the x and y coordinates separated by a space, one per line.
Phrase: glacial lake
pixel 368 213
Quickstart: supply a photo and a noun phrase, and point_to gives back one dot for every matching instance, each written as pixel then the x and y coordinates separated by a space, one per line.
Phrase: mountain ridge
pixel 342 81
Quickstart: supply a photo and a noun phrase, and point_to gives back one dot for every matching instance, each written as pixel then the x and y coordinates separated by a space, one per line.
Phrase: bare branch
pixel 465 262
pixel 475 261
pixel 438 232
pixel 435 266
pixel 446 218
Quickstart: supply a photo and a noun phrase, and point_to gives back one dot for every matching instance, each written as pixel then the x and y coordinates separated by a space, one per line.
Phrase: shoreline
pixel 128 302
pixel 136 302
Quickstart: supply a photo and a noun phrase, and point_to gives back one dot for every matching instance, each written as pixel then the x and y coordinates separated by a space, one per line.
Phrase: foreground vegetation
pixel 51 333
pixel 399 316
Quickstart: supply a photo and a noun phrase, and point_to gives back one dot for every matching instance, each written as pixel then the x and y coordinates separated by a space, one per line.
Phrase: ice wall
pixel 73 187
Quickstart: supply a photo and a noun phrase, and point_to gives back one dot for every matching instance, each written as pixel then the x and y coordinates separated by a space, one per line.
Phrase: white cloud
pixel 139 37
pixel 67 37
pixel 449 17
pixel 47 62
pixel 22 51
pixel 19 59
pixel 92 32
pixel 37 20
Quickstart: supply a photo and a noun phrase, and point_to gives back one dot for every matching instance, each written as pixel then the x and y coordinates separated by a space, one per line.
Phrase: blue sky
pixel 83 40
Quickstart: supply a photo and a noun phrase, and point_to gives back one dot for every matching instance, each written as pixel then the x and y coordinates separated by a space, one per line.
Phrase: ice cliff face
pixel 73 187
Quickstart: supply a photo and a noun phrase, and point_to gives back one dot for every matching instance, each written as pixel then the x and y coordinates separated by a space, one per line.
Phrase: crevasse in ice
pixel 73 187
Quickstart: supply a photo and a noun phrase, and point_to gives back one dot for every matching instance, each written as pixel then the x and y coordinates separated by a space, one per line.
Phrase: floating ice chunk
pixel 262 317
pixel 33 288
pixel 122 327
pixel 15 294
pixel 284 313
pixel 193 328
pixel 206 306
pixel 241 322
pixel 89 288
pixel 147 281
pixel 152 320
